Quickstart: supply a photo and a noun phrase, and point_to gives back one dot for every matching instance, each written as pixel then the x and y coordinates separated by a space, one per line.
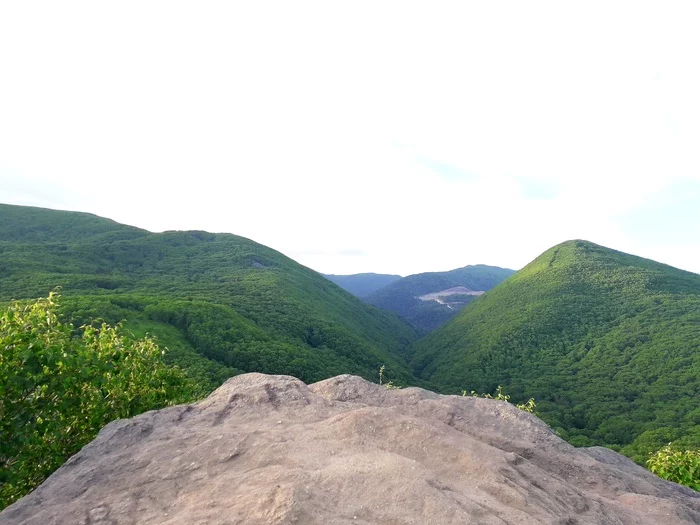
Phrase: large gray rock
pixel 270 449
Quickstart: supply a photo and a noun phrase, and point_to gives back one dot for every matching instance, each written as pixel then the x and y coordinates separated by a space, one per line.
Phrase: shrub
pixel 680 466
pixel 529 406
pixel 389 385
pixel 59 387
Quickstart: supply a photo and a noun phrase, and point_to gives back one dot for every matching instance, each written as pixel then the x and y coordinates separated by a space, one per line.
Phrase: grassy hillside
pixel 607 343
pixel 362 284
pixel 222 303
pixel 401 297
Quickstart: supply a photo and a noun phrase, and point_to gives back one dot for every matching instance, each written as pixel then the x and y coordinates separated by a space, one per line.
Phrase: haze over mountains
pixel 362 284
pixel 426 300
pixel 607 343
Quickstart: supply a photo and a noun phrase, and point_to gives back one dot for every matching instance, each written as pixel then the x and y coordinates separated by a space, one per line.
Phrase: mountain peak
pixel 587 329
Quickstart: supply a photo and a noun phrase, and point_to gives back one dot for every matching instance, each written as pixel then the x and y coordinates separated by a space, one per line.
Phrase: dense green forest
pixel 607 343
pixel 362 284
pixel 221 303
pixel 401 297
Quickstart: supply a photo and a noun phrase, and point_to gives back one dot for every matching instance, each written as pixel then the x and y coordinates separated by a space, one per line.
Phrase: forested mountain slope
pixel 362 284
pixel 606 342
pixel 221 303
pixel 403 297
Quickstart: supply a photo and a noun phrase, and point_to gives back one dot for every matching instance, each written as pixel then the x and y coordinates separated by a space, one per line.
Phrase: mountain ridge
pixel 235 304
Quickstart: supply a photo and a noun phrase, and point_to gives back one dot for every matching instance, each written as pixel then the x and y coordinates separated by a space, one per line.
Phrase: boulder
pixel 271 450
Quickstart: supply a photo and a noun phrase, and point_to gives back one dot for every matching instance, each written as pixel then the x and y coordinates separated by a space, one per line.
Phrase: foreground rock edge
pixel 270 449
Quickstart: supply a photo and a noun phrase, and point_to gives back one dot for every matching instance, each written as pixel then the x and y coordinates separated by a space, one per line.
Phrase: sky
pixel 363 136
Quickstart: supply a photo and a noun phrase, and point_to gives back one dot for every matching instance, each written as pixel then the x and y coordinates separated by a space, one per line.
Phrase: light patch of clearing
pixel 442 297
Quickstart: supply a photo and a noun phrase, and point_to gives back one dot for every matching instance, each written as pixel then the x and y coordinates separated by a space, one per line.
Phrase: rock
pixel 272 450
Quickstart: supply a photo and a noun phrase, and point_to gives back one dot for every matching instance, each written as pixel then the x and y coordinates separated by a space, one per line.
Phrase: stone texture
pixel 270 449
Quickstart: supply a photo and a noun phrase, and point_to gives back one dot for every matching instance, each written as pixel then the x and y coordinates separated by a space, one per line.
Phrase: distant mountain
pixel 222 304
pixel 362 284
pixel 428 300
pixel 607 343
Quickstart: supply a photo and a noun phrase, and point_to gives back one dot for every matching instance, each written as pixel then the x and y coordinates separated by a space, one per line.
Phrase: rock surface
pixel 272 450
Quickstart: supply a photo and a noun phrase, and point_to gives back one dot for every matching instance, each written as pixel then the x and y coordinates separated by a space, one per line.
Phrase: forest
pixel 608 344
pixel 224 303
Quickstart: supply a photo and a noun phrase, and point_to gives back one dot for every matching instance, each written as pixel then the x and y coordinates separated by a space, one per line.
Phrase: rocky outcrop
pixel 270 449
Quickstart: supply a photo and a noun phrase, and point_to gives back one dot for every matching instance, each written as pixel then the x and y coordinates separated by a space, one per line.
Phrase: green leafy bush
pixel 680 466
pixel 59 387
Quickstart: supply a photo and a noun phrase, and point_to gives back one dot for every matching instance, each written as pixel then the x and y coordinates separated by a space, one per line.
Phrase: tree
pixel 59 386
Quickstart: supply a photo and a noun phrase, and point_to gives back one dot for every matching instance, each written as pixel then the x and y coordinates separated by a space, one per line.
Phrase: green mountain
pixel 220 303
pixel 428 300
pixel 607 343
pixel 362 284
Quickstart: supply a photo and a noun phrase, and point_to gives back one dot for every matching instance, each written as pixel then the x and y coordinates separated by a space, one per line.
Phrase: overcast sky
pixel 363 136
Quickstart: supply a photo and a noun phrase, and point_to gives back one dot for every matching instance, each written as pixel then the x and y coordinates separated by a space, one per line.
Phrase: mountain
pixel 607 343
pixel 270 449
pixel 428 300
pixel 222 304
pixel 362 284
pixel 24 224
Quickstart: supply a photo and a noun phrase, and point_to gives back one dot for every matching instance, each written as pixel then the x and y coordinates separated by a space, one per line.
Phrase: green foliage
pixel 608 344
pixel 389 385
pixel 222 303
pixel 681 437
pixel 529 406
pixel 59 387
pixel 680 466
pixel 21 223
pixel 382 369
pixel 401 296
pixel 208 374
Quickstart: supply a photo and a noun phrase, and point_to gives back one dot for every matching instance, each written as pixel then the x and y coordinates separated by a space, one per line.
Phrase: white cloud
pixel 306 126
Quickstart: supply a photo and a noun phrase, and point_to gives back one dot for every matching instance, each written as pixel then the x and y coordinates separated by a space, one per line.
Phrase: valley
pixel 429 300
pixel 608 344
